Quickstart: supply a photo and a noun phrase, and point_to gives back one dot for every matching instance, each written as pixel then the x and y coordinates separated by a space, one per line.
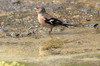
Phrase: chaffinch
pixel 47 20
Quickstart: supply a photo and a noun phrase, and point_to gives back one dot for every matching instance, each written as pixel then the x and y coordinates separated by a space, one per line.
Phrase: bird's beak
pixel 34 8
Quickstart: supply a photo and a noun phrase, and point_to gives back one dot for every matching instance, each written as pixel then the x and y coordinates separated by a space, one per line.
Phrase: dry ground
pixel 70 45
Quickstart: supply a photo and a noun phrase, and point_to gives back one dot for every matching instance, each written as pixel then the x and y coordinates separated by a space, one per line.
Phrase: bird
pixel 48 20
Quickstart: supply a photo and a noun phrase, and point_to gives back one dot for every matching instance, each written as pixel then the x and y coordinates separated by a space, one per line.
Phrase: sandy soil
pixel 74 44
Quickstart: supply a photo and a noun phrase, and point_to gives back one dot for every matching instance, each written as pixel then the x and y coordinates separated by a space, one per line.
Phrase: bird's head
pixel 40 10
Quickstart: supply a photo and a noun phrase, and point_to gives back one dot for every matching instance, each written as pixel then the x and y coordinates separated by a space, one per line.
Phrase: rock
pixel 92 25
pixel 15 35
pixel 96 25
pixel 31 27
pixel 7 35
pixel 16 2
pixel 30 33
pixel 36 26
pixel 97 6
pixel 86 10
pixel 88 19
pixel 2 30
pixel 2 24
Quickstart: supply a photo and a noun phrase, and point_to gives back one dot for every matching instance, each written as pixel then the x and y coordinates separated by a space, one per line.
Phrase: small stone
pixel 15 35
pixel 3 24
pixel 86 10
pixel 16 2
pixel 29 34
pixel 88 19
pixel 36 26
pixel 2 30
pixel 91 25
pixel 7 35
pixel 31 27
pixel 97 5
pixel 98 49
pixel 96 25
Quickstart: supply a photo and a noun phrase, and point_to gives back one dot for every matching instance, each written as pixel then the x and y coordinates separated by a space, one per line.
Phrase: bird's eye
pixel 37 8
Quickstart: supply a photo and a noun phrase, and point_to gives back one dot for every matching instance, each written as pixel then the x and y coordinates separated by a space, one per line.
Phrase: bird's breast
pixel 41 20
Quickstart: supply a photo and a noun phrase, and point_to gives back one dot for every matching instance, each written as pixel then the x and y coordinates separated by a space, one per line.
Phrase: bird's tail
pixel 67 25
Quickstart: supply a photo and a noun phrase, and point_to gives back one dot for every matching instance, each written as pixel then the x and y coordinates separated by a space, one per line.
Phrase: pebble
pixel 29 34
pixel 92 25
pixel 7 35
pixel 86 10
pixel 88 19
pixel 97 26
pixel 15 35
pixel 17 2
pixel 2 30
pixel 97 5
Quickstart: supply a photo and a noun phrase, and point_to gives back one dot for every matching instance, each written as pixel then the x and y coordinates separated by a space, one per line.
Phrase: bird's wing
pixel 52 21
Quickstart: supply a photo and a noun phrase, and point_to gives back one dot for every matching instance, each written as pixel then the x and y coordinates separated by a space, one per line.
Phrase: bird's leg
pixel 50 31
